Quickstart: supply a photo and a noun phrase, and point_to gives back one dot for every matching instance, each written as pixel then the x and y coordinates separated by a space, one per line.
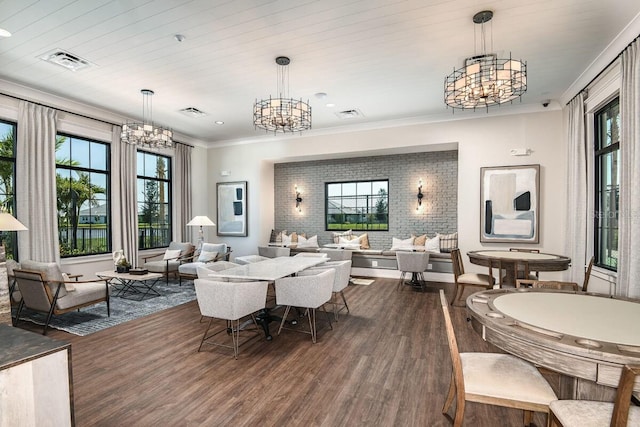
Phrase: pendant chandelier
pixel 485 80
pixel 145 133
pixel 282 114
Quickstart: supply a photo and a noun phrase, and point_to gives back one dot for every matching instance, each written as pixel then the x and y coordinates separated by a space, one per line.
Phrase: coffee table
pixel 129 285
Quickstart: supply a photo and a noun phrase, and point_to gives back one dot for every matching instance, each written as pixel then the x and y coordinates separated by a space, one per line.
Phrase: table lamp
pixel 201 221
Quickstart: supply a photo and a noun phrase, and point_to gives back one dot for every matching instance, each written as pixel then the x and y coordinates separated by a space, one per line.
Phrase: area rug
pixel 93 319
pixel 364 282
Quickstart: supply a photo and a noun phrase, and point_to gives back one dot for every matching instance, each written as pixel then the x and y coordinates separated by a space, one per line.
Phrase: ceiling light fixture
pixel 4 33
pixel 282 114
pixel 485 80
pixel 145 133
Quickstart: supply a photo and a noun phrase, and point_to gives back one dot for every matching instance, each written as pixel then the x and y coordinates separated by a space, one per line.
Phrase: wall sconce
pixel 298 198
pixel 420 195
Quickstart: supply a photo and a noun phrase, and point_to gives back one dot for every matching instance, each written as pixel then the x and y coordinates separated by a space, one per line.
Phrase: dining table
pixel 536 261
pixel 586 338
pixel 269 270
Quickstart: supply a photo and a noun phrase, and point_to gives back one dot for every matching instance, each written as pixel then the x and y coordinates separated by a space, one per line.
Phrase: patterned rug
pixel 93 319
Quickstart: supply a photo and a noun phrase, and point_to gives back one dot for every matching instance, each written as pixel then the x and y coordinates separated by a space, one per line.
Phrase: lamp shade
pixel 202 221
pixel 9 223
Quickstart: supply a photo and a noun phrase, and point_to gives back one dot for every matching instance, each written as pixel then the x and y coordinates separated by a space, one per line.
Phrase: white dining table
pixel 271 269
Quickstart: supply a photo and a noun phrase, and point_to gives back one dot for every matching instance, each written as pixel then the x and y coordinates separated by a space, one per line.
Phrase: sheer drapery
pixel 182 201
pixel 577 212
pixel 124 203
pixel 629 203
pixel 36 194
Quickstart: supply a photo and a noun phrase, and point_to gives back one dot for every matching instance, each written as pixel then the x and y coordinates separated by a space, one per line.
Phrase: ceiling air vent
pixel 65 59
pixel 193 112
pixel 349 114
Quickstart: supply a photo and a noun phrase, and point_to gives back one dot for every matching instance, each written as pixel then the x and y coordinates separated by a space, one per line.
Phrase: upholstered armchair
pixel 41 287
pixel 171 259
pixel 340 282
pixel 310 292
pixel 230 301
pixel 210 253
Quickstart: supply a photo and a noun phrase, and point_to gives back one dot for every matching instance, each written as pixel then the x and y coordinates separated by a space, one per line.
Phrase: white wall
pixel 484 141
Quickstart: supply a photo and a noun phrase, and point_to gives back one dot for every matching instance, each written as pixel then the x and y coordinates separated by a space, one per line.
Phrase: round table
pixel 581 335
pixel 536 261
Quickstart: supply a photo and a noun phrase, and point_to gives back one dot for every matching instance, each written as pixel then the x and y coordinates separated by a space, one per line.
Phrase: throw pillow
pixel 347 234
pixel 401 244
pixel 363 239
pixel 171 254
pixel 311 242
pixel 420 240
pixel 286 240
pixel 433 244
pixel 448 242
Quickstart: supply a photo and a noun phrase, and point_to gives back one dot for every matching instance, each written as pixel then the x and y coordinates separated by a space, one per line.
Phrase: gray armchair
pixel 210 253
pixel 41 288
pixel 170 263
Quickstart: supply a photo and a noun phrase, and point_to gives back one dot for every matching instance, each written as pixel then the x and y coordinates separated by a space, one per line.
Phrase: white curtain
pixel 182 201
pixel 577 211
pixel 628 283
pixel 36 197
pixel 124 201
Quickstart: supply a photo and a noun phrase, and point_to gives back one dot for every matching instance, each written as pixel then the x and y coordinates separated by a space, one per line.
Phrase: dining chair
pixel 587 413
pixel 310 292
pixel 230 301
pixel 462 279
pixel 412 262
pixel 273 251
pixel 340 282
pixel 493 379
pixel 547 284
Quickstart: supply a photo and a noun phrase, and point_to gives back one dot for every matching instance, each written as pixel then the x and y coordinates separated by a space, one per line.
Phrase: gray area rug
pixel 93 319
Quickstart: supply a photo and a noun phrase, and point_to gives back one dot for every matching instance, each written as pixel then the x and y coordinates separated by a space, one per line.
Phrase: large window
pixel 360 205
pixel 607 184
pixel 154 200
pixel 82 181
pixel 7 183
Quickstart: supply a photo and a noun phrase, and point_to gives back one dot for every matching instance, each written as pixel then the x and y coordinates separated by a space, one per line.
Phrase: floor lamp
pixel 201 221
pixel 7 223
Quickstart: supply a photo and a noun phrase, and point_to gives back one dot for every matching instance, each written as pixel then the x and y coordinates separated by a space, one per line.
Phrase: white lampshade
pixel 9 223
pixel 202 221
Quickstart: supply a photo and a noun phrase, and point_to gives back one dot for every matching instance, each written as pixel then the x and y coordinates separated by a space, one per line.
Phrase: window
pixel 7 183
pixel 607 185
pixel 154 200
pixel 360 205
pixel 82 185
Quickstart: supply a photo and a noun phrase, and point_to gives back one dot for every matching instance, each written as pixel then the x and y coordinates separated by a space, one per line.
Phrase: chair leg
pixel 235 336
pixel 345 301
pixel 312 324
pixel 204 336
pixel 401 281
pixel 20 307
pixel 450 395
pixel 284 318
pixel 108 306
pixel 327 315
pixel 459 292
pixel 46 323
pixel 528 418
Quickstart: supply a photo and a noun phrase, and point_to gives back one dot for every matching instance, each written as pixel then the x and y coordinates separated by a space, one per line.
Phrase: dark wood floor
pixel 385 364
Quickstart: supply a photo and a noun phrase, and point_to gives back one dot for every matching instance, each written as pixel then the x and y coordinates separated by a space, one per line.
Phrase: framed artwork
pixel 232 208
pixel 510 204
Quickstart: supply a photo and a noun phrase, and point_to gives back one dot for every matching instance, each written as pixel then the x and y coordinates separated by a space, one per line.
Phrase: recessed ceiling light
pixel 4 33
pixel 219 122
pixel 331 105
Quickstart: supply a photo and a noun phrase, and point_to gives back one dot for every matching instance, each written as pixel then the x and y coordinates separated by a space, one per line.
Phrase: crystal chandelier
pixel 282 114
pixel 485 80
pixel 145 133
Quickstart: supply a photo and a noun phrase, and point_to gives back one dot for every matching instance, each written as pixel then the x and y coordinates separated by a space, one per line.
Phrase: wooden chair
pixel 548 284
pixel 493 379
pixel 462 279
pixel 587 275
pixel 170 262
pixel 43 289
pixel 584 413
pixel 209 253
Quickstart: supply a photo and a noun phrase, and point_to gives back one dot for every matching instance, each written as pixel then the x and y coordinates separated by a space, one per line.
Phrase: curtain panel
pixel 36 194
pixel 182 190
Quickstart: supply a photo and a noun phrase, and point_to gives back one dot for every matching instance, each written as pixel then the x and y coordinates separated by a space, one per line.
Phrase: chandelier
pixel 485 80
pixel 145 133
pixel 282 114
